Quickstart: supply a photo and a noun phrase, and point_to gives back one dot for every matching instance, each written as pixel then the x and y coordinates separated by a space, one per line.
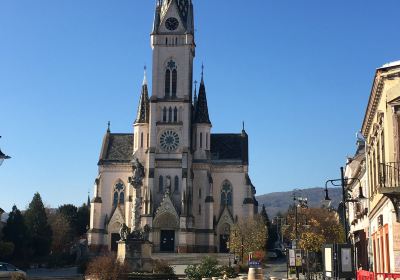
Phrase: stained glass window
pixel 226 194
pixel 176 184
pixel 119 196
pixel 160 184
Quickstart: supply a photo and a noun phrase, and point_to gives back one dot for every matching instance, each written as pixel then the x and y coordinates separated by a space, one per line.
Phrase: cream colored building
pixel 358 210
pixel 381 128
pixel 196 183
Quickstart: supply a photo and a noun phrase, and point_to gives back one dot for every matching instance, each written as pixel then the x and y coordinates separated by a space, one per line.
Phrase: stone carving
pixel 124 232
pixel 138 174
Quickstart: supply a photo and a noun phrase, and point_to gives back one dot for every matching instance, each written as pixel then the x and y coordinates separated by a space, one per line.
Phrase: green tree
pixel 83 219
pixel 38 227
pixel 250 235
pixel 15 232
pixel 272 235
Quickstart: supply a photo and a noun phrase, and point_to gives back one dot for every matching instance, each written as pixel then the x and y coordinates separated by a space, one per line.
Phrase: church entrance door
pixel 223 243
pixel 167 241
pixel 114 238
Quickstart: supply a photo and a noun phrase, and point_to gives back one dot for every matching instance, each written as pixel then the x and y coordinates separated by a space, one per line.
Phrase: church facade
pixel 196 183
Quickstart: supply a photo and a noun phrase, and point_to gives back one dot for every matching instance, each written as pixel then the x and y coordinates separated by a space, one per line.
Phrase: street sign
pixel 292 257
pixel 298 258
pixel 254 264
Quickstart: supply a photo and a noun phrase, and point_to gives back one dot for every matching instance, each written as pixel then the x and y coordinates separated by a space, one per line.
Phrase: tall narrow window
pixel 164 115
pixel 174 82
pixel 121 198
pixel 148 140
pixel 176 41
pixel 176 189
pixel 115 201
pixel 201 140
pixel 166 41
pixel 175 115
pixel 199 193
pixel 170 114
pixel 167 82
pixel 118 196
pixel 206 140
pixel 160 184
pixel 199 209
pixel 226 194
pixel 141 140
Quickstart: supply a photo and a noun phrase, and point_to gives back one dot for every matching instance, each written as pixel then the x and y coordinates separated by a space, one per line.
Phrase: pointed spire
pixel 144 104
pixel 195 95
pixel 108 127
pixel 88 199
pixel 201 109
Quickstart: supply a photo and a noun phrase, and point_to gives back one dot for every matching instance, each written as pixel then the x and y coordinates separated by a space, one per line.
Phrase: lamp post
pixel 3 157
pixel 343 183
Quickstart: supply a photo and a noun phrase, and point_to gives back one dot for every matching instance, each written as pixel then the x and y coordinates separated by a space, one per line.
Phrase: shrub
pixel 107 268
pixel 6 250
pixel 207 269
pixel 229 271
pixel 162 267
pixel 18 276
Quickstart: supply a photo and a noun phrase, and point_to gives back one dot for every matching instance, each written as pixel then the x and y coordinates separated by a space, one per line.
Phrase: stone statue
pixel 146 231
pixel 124 232
pixel 138 174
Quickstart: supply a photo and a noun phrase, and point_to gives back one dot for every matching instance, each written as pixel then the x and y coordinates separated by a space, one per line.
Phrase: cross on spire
pixel 108 126
pixel 145 76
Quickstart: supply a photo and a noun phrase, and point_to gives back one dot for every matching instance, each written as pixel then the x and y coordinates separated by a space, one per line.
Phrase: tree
pixel 272 235
pixel 323 227
pixel 38 227
pixel 62 233
pixel 15 232
pixel 70 213
pixel 249 235
pixel 83 219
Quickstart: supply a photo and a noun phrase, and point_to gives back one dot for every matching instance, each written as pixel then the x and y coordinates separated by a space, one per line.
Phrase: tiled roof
pixel 229 147
pixel 117 148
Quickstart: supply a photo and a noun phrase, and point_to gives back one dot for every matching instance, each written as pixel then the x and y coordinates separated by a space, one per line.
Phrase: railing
pixel 387 276
pixel 389 174
pixel 366 275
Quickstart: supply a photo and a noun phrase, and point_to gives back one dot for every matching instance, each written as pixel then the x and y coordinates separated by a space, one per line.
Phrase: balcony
pixel 389 184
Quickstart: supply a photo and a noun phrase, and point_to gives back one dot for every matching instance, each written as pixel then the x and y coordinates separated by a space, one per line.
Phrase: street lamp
pixel 3 157
pixel 343 183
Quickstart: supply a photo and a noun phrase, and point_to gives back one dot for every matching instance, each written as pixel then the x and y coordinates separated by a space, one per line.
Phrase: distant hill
pixel 279 201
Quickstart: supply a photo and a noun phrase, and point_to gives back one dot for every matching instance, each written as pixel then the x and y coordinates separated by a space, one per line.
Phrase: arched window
pixel 121 198
pixel 167 82
pixel 176 187
pixel 175 115
pixel 119 195
pixel 164 118
pixel 174 82
pixel 170 114
pixel 226 194
pixel 160 184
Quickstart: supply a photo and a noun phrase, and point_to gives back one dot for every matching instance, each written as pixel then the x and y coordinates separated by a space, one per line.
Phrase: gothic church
pixel 196 183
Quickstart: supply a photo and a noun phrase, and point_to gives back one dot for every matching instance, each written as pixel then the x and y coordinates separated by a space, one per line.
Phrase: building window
pixel 176 188
pixel 170 114
pixel 199 209
pixel 164 118
pixel 119 195
pixel 226 194
pixel 206 140
pixel 167 82
pixel 199 193
pixel 160 184
pixel 201 140
pixel 141 140
pixel 174 82
pixel 175 115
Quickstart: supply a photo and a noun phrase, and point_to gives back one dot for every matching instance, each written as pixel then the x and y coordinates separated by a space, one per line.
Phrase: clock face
pixel 171 23
pixel 169 141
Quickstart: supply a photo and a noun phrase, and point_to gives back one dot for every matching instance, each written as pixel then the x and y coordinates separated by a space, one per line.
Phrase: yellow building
pixel 381 128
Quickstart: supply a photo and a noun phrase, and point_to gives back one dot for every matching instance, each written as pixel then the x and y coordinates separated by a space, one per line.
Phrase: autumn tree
pixel 62 232
pixel 38 227
pixel 249 234
pixel 315 227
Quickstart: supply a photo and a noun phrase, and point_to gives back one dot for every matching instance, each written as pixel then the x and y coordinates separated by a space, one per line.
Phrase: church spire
pixel 144 106
pixel 201 108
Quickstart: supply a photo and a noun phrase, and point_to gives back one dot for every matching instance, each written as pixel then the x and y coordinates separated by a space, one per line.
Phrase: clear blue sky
pixel 299 74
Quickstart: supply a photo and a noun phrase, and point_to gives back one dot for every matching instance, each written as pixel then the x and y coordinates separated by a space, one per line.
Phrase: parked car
pixel 8 270
pixel 272 255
